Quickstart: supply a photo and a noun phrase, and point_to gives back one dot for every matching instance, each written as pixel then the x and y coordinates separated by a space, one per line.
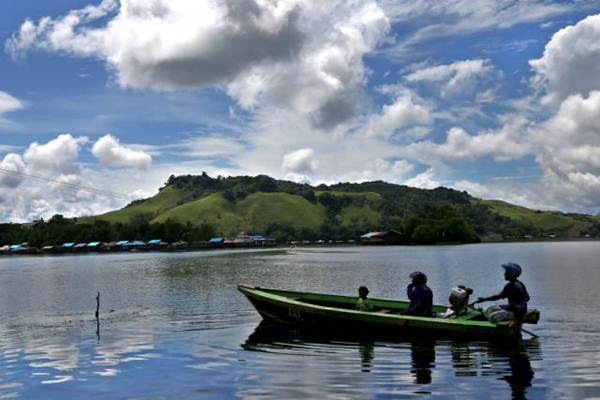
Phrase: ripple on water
pixel 181 330
pixel 359 368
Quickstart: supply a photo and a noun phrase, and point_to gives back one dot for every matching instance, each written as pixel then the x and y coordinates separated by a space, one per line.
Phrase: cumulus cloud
pixel 304 54
pixel 380 167
pixel 57 183
pixel 171 44
pixel 11 168
pixel 325 80
pixel 406 110
pixel 424 180
pixel 58 155
pixel 568 144
pixel 341 156
pixel 111 153
pixel 510 190
pixel 300 162
pixel 571 61
pixel 504 145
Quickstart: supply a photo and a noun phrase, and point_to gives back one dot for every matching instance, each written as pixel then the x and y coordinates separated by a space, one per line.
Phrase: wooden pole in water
pixel 98 305
pixel 98 316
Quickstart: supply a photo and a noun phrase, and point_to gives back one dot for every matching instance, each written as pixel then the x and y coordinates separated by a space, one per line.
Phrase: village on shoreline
pixel 241 241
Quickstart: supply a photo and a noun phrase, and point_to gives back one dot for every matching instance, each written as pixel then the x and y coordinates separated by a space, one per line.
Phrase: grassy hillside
pixel 212 209
pixel 254 213
pixel 261 210
pixel 546 221
pixel 263 205
pixel 166 199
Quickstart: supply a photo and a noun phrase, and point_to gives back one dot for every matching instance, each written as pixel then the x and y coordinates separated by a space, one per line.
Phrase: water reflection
pixel 365 350
pixel 413 358
pixel 520 375
pixel 422 353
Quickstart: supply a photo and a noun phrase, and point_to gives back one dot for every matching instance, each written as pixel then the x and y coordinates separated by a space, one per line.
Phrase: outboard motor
pixel 459 299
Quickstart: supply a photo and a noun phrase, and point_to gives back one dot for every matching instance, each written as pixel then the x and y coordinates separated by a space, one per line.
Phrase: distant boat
pixel 335 312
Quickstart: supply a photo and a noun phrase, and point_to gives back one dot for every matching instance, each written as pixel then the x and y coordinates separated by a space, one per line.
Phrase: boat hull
pixel 273 306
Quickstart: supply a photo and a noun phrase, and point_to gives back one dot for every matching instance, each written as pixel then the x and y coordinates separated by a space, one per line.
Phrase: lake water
pixel 174 326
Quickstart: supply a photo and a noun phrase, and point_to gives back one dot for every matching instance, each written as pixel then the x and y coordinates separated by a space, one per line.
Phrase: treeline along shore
pixel 198 208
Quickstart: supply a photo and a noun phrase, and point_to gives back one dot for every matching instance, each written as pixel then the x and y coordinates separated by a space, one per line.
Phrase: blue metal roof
pixel 16 246
pixel 93 244
pixel 154 241
pixel 216 240
pixel 122 242
pixel 68 244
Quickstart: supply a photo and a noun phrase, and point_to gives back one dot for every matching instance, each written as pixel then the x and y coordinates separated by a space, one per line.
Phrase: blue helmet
pixel 513 269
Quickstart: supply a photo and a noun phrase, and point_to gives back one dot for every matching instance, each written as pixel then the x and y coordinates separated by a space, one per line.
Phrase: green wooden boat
pixel 335 312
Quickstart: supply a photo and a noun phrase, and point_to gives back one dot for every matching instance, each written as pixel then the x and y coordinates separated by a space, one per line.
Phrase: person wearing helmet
pixel 420 296
pixel 514 291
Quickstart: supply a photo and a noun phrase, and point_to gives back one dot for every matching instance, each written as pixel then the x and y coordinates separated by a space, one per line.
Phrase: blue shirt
pixel 421 300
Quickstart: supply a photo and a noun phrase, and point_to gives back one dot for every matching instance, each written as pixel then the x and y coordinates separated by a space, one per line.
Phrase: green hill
pixel 264 205
pixel 166 199
pixel 254 213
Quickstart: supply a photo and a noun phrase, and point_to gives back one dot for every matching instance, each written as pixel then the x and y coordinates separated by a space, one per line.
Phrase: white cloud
pixel 303 54
pixel 567 150
pixel 571 61
pixel 504 145
pixel 111 153
pixel 406 110
pixel 171 44
pixel 527 195
pixel 325 80
pixel 380 167
pixel 57 183
pixel 457 78
pixel 568 144
pixel 458 17
pixel 301 162
pixel 454 72
pixel 210 146
pixel 58 155
pixel 424 180
pixel 6 148
pixel 9 103
pixel 342 156
pixel 11 168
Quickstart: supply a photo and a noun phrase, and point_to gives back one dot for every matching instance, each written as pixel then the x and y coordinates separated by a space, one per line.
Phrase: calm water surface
pixel 174 326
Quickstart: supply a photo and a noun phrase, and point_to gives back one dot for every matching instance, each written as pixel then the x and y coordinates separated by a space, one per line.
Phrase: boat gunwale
pixel 263 293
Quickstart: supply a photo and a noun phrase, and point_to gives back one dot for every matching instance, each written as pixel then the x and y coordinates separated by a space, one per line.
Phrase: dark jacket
pixel 516 294
pixel 421 300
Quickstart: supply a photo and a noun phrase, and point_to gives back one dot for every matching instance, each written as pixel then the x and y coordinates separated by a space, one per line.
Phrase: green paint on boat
pixel 325 311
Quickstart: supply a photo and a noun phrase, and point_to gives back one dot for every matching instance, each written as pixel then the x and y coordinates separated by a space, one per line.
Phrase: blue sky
pixel 100 101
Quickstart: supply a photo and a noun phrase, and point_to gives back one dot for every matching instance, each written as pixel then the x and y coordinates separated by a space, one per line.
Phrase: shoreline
pixel 281 247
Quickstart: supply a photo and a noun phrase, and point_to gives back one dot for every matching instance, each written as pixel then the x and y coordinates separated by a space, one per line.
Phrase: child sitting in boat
pixel 516 294
pixel 420 296
pixel 363 303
